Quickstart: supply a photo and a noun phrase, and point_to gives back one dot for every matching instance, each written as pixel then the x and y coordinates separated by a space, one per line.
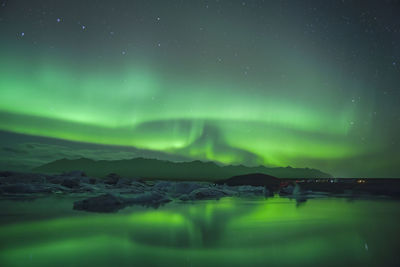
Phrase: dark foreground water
pixel 228 232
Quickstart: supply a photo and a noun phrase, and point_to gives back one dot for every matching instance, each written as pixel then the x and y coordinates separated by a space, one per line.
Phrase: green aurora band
pixel 209 120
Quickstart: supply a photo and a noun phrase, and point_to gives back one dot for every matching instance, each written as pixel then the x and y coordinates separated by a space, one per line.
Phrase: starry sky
pixel 277 83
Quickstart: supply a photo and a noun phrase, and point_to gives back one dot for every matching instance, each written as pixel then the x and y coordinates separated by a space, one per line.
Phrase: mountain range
pixel 160 169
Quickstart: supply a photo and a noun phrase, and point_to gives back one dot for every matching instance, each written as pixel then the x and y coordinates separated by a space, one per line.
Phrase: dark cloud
pixel 13 150
pixel 212 141
pixel 24 152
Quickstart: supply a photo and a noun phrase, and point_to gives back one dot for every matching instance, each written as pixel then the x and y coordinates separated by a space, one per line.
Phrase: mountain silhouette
pixel 254 179
pixel 160 169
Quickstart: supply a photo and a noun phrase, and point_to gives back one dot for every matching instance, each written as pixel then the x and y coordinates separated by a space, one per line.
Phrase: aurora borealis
pixel 277 83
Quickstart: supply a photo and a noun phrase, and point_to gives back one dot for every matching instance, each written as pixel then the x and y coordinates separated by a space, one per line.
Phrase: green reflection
pixel 229 232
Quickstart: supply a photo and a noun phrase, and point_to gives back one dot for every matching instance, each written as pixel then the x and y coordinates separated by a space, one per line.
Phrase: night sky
pixel 277 83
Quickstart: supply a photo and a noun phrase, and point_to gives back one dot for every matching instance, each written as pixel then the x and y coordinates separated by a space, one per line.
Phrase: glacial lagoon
pixel 227 232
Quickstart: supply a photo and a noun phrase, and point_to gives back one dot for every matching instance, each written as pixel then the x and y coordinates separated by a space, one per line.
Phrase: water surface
pixel 228 232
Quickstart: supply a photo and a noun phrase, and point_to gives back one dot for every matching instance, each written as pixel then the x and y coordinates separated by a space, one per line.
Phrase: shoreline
pixel 113 193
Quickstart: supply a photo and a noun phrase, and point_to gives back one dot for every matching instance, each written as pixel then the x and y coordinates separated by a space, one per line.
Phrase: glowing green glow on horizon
pixel 210 120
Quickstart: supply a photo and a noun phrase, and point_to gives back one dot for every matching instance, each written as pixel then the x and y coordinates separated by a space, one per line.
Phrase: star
pixel 58 20
pixel 83 27
pixel 22 34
